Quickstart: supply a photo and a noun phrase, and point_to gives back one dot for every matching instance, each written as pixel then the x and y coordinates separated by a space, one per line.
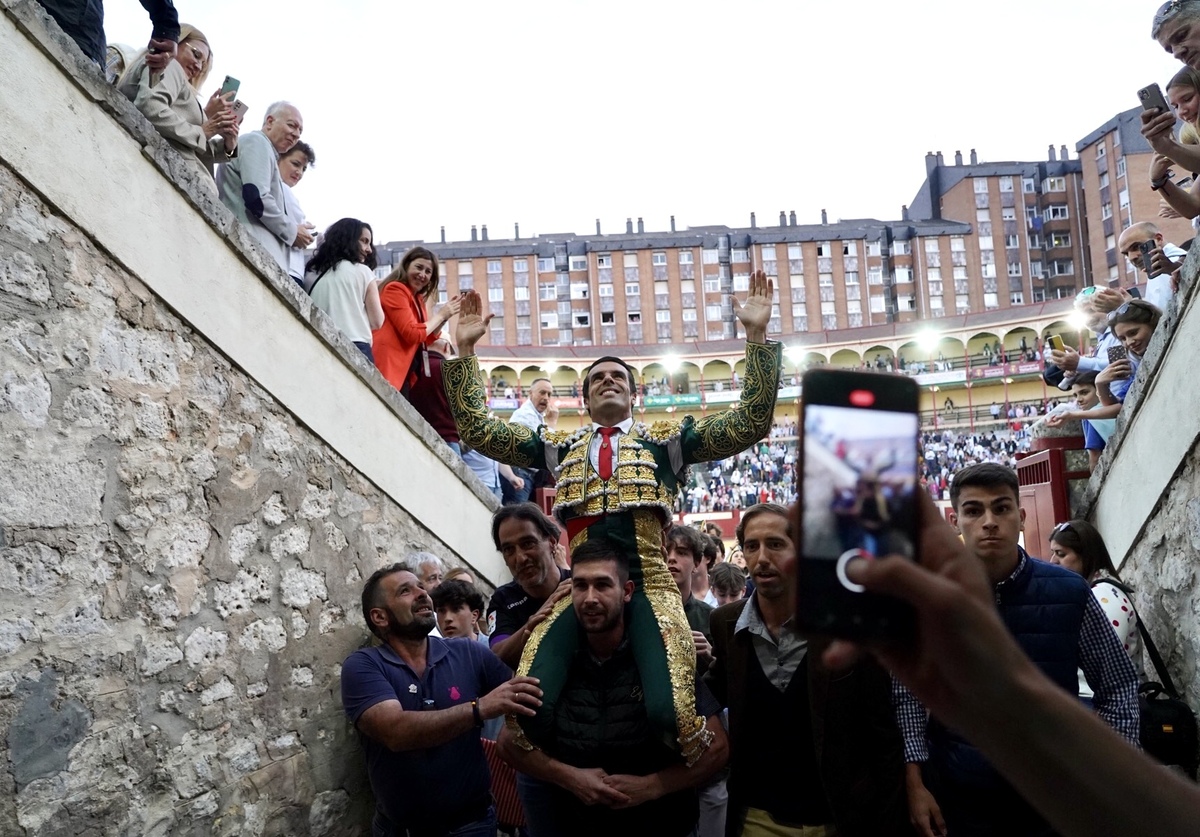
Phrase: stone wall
pixel 197 472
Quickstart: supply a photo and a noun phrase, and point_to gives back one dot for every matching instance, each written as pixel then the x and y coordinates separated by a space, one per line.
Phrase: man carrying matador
pixel 619 478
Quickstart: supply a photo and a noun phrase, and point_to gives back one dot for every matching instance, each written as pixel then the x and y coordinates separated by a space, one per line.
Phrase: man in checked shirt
pixel 1056 620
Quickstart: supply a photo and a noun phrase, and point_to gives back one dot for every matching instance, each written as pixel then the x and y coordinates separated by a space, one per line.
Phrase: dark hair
pixel 524 511
pixel 714 531
pixel 710 549
pixel 984 475
pixel 400 273
pixel 455 593
pixel 340 244
pixel 727 577
pixel 1135 311
pixel 370 592
pixel 598 549
pixel 629 373
pixel 757 509
pixel 305 149
pixel 1084 540
pixel 688 538
pixel 1086 378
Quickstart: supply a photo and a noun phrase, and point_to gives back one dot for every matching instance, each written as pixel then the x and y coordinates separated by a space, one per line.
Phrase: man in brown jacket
pixel 834 733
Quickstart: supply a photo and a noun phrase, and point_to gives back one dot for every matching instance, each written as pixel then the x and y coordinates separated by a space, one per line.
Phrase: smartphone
pixel 230 85
pixel 858 460
pixel 1152 99
pixel 1134 292
pixel 1116 353
pixel 1146 248
pixel 239 109
pixel 1056 343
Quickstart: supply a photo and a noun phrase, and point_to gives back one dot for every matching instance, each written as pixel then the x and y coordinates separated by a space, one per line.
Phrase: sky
pixel 555 114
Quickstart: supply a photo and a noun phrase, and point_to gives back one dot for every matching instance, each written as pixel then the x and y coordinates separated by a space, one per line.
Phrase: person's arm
pixel 257 164
pixel 506 471
pixel 913 720
pixel 508 642
pixel 371 303
pixel 1184 201
pixel 585 783
pixel 1118 371
pixel 677 777
pixel 731 431
pixel 965 666
pixel 1109 671
pixel 398 730
pixel 164 34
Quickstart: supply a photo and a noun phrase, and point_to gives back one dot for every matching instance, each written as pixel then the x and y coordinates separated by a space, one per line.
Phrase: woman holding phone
pixel 1183 95
pixel 203 134
pixel 402 341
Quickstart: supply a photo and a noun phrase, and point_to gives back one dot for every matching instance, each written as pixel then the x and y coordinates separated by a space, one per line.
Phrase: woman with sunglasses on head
pixel 203 134
pixel 1077 546
pixel 1133 324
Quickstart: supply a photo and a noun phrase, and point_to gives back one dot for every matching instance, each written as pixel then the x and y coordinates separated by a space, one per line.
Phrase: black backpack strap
pixel 1160 668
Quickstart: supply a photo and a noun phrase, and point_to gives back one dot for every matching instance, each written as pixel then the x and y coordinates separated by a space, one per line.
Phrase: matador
pixel 620 478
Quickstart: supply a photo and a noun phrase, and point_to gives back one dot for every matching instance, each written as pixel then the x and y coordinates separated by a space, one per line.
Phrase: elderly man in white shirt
pixel 535 412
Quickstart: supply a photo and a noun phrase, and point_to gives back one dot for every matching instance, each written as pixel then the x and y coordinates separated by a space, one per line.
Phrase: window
pixel 579 290
pixel 1031 215
pixel 957 244
pixel 1060 239
pixel 1062 267
pixel 687 286
pixel 631 259
pixel 936 304
pixel 1035 270
pixel 1016 298
pixel 798 309
pixel 960 273
pixel 825 280
pixel 1014 268
pixel 443 295
pixel 1121 167
pixel 1035 241
pixel 1110 242
pixel 520 294
pixel 903 274
pixel 689 315
pixel 828 308
pixel 1104 180
pixel 851 277
pixel 740 256
pixel 798 293
pixel 878 305
pixel 795 251
pixel 1105 211
pixel 547 291
pixel 606 290
pixel 1006 184
pixel 658 258
pixel 824 250
pixel 634 317
pixel 991 301
pixel 685 256
pixel 607 318
pixel 874 275
pixel 768 252
pixel 712 312
pixel 1058 211
pixel 604 260
pixel 578 263
pixel 1038 295
pixel 741 282
pixel 1100 149
pixel 934 274
pixel 549 319
pixel 1028 186
pixel 1011 242
pixel 465 269
pixel 985 242
pixel 931 245
pixel 981 185
pixel 874 249
pixel 712 285
pixel 983 216
pixel 633 289
pixel 1054 184
pixel 493 266
pixel 662 316
pixel 545 265
pixel 1124 198
pixel 1008 213
pixel 707 256
pixel 901 248
pixel 580 320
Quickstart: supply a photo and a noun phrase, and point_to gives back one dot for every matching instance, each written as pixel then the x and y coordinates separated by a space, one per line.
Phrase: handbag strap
pixel 1156 659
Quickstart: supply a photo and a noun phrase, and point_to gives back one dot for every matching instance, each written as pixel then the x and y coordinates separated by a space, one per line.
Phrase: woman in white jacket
pixel 206 134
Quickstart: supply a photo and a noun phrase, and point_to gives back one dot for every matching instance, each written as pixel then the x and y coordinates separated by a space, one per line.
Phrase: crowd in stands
pixel 1047 647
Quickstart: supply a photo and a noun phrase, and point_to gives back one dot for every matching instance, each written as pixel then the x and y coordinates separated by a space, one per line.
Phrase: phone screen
pixel 860 500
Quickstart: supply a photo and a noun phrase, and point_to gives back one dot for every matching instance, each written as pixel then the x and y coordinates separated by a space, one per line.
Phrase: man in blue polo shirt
pixel 418 703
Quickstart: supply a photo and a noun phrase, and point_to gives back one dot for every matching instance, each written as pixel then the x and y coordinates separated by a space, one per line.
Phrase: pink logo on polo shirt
pixel 454 693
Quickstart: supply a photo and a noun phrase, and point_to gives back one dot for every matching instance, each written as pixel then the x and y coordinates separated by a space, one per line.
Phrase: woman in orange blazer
pixel 400 343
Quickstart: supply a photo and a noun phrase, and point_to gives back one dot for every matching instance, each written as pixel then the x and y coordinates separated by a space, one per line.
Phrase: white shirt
pixel 340 293
pixel 528 415
pixel 1158 289
pixel 594 448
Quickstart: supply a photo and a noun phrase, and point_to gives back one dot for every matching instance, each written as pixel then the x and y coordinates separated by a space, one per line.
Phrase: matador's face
pixel 609 396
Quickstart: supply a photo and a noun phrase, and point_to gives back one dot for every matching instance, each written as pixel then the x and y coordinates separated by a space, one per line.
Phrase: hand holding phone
pixel 1152 98
pixel 1116 353
pixel 858 461
pixel 229 88
pixel 1056 343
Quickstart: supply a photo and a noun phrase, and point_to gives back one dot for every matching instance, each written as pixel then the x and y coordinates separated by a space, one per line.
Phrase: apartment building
pixel 1116 177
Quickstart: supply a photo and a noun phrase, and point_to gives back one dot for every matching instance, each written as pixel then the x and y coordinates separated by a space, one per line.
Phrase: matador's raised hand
pixel 755 312
pixel 472 324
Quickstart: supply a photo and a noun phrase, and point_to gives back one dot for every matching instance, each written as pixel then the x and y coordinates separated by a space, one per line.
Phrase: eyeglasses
pixel 1088 291
pixel 1164 14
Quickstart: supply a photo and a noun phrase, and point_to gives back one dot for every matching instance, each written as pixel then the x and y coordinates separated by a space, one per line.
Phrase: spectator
pixel 428 396
pixel 490 472
pixel 728 582
pixel 601 767
pixel 1133 324
pixel 418 703
pixel 403 338
pixel 252 188
pixel 83 22
pixel 1165 259
pixel 1096 431
pixel 1094 304
pixel 1054 617
pixel 537 411
pixel 525 538
pixel 292 166
pixel 834 732
pixel 340 281
pixel 459 606
pixel 1183 95
pixel 684 546
pixel 430 569
pixel 461 574
pixel 701 588
pixel 965 665
pixel 170 100
pixel 1077 546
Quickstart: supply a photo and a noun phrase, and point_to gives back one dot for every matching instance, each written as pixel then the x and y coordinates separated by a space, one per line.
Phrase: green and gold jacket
pixel 652 460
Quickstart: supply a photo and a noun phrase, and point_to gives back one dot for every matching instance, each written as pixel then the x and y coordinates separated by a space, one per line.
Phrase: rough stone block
pixel 51 493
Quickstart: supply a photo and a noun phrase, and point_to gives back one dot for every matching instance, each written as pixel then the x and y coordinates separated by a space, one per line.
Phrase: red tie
pixel 605 452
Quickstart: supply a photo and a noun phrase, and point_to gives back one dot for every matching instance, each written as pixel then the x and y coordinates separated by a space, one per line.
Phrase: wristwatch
pixel 1158 184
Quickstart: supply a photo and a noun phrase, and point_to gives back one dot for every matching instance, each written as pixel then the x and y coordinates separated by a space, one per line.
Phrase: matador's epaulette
pixel 661 432
pixel 558 438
